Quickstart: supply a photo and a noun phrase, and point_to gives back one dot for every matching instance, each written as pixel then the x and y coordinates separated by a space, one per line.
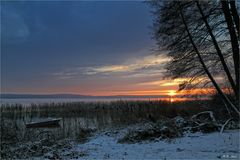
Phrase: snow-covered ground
pixel 191 146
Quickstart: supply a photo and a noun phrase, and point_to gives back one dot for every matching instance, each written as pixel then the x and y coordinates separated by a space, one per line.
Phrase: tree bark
pixel 235 15
pixel 234 42
pixel 224 98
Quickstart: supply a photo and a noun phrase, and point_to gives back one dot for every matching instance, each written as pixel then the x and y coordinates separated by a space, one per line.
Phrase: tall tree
pixel 219 52
pixel 233 35
pixel 199 44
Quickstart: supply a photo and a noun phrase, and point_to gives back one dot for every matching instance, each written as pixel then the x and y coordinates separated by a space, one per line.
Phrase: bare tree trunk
pixel 235 15
pixel 220 55
pixel 224 98
pixel 234 42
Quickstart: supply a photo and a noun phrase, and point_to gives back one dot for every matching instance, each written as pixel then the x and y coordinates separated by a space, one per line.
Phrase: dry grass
pixel 137 108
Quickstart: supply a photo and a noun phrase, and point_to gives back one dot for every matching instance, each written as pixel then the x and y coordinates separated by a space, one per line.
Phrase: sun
pixel 171 93
pixel 171 100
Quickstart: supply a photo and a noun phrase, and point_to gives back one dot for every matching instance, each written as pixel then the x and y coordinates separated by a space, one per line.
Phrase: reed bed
pixel 138 108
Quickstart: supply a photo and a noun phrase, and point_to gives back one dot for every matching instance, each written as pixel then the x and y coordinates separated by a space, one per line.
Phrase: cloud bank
pixel 151 65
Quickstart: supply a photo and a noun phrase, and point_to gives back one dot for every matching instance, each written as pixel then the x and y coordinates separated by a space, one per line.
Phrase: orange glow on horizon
pixel 162 88
pixel 157 92
pixel 172 93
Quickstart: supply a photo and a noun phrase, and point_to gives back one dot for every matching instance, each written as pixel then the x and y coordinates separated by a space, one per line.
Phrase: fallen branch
pixel 210 113
pixel 224 125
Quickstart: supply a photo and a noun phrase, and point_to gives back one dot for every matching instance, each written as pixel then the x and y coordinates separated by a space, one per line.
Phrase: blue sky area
pixel 83 47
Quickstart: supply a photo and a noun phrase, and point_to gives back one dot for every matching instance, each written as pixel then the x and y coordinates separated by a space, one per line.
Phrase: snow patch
pixel 191 146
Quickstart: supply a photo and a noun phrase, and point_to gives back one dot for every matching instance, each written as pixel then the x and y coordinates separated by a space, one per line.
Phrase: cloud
pixel 139 67
pixel 151 63
pixel 176 82
pixel 166 82
pixel 157 72
pixel 107 69
pixel 65 75
pixel 163 92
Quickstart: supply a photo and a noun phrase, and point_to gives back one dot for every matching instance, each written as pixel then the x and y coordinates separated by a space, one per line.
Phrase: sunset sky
pixel 89 48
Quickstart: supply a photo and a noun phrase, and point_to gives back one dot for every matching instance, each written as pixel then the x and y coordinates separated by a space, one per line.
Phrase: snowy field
pixel 195 146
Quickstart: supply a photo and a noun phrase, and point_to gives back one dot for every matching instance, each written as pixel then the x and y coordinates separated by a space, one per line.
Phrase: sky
pixel 81 47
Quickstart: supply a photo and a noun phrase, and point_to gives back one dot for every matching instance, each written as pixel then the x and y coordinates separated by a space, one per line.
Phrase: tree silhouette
pixel 201 39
